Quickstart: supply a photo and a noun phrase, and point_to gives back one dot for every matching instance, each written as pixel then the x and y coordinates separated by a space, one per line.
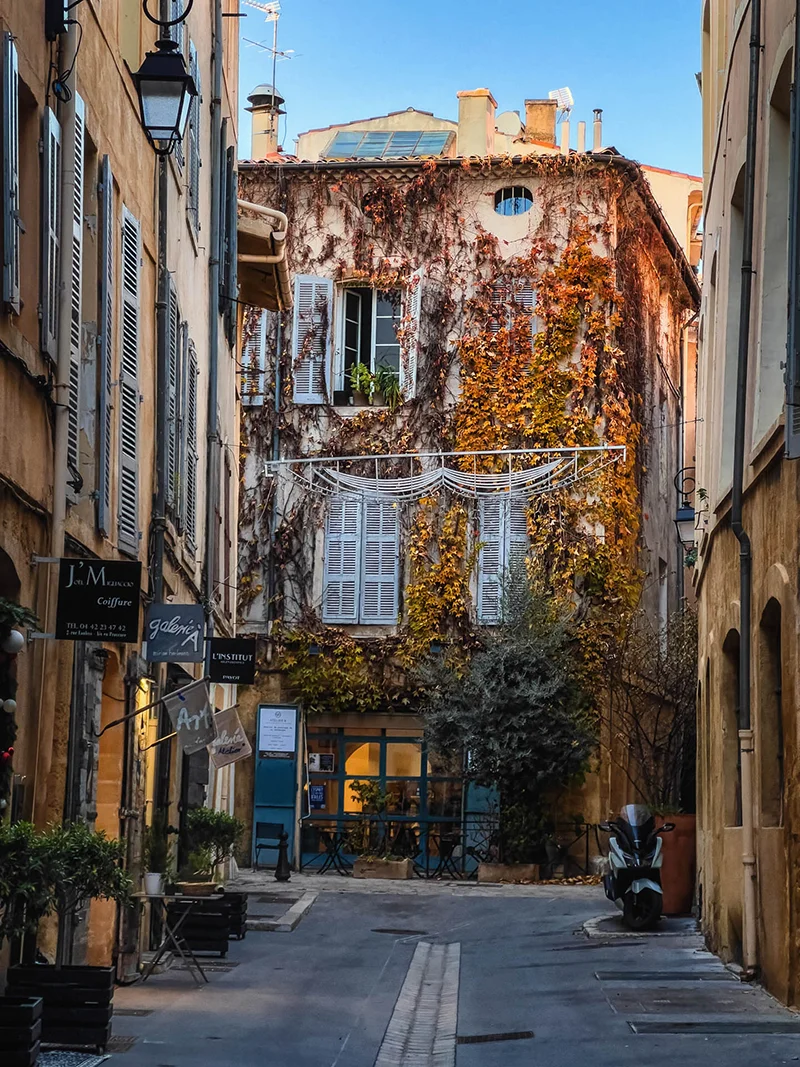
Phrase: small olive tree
pixel 519 712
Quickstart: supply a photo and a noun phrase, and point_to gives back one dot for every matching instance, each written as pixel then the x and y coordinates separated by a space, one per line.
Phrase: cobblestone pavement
pixel 378 975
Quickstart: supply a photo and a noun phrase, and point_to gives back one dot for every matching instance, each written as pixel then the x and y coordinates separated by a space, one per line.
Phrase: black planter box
pixel 236 904
pixel 78 1001
pixel 20 1030
pixel 206 927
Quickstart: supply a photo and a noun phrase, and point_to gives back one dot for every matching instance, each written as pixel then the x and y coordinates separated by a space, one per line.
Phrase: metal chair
pixel 265 833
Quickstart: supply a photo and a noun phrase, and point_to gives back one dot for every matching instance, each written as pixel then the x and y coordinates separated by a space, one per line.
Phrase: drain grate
pixel 584 945
pixel 732 1027
pixel 664 976
pixel 118 1043
pixel 480 1039
pixel 399 932
pixel 208 965
pixel 135 1013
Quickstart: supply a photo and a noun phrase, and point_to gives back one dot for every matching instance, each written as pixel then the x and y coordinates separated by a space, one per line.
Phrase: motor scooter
pixel 633 879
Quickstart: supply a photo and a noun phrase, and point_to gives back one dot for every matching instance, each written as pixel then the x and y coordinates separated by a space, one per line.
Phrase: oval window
pixel 513 200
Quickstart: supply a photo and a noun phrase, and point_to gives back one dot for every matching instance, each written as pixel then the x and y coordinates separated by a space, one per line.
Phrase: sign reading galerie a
pixel 174 633
pixel 98 600
pixel 233 660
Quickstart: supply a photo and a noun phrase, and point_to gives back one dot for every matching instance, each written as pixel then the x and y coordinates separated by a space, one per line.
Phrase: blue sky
pixel 634 58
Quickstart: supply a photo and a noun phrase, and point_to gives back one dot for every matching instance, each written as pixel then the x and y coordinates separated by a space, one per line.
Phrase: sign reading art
pixel 98 600
pixel 277 731
pixel 191 716
pixel 233 660
pixel 174 633
pixel 231 742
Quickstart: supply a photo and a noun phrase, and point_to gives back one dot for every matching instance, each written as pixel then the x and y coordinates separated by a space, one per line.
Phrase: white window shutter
pixel 526 298
pixel 182 430
pixel 105 341
pixel 410 359
pixel 380 556
pixel 129 385
pixel 51 233
pixel 311 338
pixel 518 541
pixel 254 358
pixel 491 559
pixel 173 353
pixel 191 448
pixel 12 223
pixel 342 559
pixel 76 293
pixel 499 316
pixel 193 203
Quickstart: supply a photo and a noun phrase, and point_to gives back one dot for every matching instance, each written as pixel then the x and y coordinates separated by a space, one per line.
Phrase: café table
pixel 172 933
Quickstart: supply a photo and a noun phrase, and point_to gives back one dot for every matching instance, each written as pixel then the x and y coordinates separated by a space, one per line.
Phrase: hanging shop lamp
pixel 166 89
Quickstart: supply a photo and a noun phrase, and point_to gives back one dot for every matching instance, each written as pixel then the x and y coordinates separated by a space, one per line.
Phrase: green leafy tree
pixel 213 836
pixel 519 712
pixel 26 880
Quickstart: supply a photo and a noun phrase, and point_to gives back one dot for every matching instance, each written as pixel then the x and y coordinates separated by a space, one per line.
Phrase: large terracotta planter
pixel 376 868
pixel 516 873
pixel 678 870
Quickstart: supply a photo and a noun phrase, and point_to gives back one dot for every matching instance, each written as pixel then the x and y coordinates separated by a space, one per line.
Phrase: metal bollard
pixel 283 872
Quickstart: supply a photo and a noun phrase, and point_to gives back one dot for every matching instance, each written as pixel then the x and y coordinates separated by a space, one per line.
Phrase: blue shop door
pixel 275 793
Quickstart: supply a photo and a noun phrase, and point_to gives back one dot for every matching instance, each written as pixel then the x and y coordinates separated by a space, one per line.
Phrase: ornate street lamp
pixel 684 482
pixel 165 89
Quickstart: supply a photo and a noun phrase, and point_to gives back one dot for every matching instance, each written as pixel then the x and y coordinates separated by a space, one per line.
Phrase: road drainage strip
pixel 69 1059
pixel 720 975
pixel 730 1027
pixel 479 1039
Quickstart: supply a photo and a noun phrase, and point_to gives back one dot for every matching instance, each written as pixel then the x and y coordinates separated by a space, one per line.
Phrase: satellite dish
pixel 563 97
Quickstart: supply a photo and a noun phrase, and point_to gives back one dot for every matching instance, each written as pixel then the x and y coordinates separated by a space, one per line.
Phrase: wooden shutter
pixel 105 342
pixel 194 143
pixel 342 558
pixel 517 540
pixel 380 554
pixel 129 385
pixel 12 223
pixel 492 528
pixel 499 316
pixel 51 222
pixel 76 293
pixel 311 338
pixel 177 33
pixel 191 448
pixel 173 355
pixel 525 297
pixel 410 358
pixel 254 355
pixel 182 430
pixel 792 373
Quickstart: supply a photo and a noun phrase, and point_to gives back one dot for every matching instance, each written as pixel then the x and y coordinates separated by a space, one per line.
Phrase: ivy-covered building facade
pixel 487 363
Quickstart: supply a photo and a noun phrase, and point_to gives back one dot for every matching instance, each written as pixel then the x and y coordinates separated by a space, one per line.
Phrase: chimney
pixel 265 110
pixel 540 120
pixel 476 124
pixel 565 137
pixel 598 129
pixel 581 137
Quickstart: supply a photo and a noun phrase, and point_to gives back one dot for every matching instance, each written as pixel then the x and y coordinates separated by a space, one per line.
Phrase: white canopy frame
pixel 528 472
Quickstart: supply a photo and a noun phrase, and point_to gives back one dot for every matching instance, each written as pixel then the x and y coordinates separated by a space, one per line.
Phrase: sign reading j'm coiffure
pixel 174 633
pixel 98 600
pixel 233 660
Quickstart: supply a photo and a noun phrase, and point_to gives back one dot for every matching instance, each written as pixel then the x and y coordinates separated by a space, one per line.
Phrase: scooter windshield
pixel 641 822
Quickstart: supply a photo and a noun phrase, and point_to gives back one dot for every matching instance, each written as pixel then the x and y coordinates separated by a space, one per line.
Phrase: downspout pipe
pixel 213 440
pixel 749 935
pixel 47 689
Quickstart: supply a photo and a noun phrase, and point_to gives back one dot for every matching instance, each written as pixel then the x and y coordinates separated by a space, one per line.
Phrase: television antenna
pixel 271 10
pixel 563 97
pixel 287 53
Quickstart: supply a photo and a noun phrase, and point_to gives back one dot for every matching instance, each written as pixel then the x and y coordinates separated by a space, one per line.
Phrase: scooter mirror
pixel 667 827
pixel 606 827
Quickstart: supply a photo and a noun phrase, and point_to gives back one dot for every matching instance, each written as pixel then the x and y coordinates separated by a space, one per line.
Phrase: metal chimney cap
pixel 265 94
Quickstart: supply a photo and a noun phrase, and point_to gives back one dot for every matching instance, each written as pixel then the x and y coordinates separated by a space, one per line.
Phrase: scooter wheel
pixel 641 911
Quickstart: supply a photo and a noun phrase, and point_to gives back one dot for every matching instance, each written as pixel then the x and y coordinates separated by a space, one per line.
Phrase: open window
pixel 378 329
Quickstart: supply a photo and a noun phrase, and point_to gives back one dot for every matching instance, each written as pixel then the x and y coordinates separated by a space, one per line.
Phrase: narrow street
pixel 371 978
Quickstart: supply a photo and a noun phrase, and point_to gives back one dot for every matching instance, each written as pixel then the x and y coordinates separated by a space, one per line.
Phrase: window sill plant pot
pixel 20 1030
pixel 516 873
pixel 77 1001
pixel 360 400
pixel 373 867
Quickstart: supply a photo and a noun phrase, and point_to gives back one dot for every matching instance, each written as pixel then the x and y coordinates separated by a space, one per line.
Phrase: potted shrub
pixel 156 855
pixel 79 865
pixel 361 382
pixel 387 388
pixel 369 838
pixel 24 896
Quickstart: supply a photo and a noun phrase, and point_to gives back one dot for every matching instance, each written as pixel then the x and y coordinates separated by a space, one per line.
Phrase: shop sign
pixel 190 712
pixel 233 660
pixel 174 633
pixel 231 742
pixel 321 761
pixel 98 600
pixel 277 731
pixel 316 797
